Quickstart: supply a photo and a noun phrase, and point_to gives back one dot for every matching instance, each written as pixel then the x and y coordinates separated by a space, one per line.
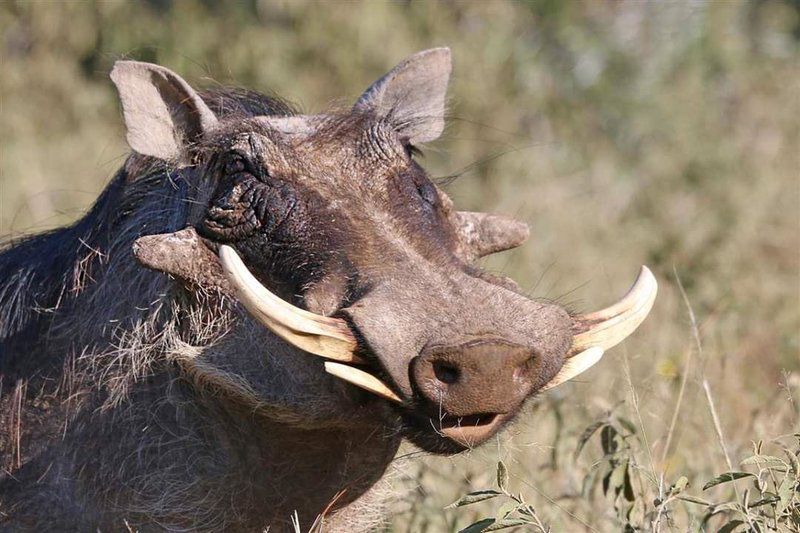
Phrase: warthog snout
pixel 471 388
pixel 491 377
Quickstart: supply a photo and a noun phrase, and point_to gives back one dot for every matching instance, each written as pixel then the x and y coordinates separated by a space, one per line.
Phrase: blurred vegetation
pixel 626 133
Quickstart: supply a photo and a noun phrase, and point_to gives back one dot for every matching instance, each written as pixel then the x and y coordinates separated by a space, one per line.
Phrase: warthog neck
pixel 172 458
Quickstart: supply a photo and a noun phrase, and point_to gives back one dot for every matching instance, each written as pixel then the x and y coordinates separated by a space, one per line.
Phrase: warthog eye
pixel 427 192
pixel 234 164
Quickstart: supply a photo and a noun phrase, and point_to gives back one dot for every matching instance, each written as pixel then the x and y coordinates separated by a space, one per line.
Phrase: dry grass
pixel 626 133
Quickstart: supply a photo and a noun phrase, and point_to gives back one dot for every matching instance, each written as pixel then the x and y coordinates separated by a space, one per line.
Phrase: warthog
pixel 257 310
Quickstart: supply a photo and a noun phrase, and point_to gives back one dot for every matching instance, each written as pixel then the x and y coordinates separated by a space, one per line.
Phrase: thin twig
pixel 686 367
pixel 667 444
pixel 707 389
pixel 552 502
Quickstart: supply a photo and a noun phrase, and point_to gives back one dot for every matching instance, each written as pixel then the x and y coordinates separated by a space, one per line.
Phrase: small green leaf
pixel 694 499
pixel 679 485
pixel 730 526
pixel 627 424
pixel 764 461
pixel 628 485
pixel 589 482
pixel 474 497
pixel 793 460
pixel 617 479
pixel 502 476
pixel 585 436
pixel 766 500
pixel 788 486
pixel 527 510
pixel 506 509
pixel 478 526
pixel 606 481
pixel 725 478
pixel 506 523
pixel 608 440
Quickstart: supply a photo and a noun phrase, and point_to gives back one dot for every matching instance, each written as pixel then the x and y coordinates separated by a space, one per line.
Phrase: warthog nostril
pixel 524 369
pixel 446 372
pixel 482 376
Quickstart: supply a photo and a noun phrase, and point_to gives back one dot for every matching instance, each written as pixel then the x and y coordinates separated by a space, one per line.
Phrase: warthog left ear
pixel 484 233
pixel 412 95
pixel 165 117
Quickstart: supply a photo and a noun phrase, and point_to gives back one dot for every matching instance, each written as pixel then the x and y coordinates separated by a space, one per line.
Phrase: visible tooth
pixel 610 326
pixel 362 379
pixel 320 335
pixel 578 364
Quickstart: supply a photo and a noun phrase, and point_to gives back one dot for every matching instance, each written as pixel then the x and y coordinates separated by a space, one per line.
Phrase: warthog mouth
pixel 333 338
pixel 451 434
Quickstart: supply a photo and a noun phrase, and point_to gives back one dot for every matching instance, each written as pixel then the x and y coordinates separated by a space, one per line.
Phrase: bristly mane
pixel 87 269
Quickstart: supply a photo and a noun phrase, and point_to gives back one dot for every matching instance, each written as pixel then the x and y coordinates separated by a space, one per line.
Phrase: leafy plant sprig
pixel 514 512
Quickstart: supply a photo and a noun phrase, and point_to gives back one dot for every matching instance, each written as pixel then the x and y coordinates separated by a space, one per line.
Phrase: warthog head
pixel 333 237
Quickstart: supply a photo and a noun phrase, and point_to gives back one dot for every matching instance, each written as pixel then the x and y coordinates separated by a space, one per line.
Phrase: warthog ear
pixel 484 233
pixel 163 114
pixel 183 255
pixel 412 95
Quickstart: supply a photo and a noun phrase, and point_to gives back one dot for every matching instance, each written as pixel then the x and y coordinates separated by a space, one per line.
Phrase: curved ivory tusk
pixel 320 335
pixel 577 364
pixel 362 379
pixel 610 326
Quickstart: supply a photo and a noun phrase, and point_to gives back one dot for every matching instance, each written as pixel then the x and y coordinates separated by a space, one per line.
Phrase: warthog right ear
pixel 164 116
pixel 412 95
pixel 183 255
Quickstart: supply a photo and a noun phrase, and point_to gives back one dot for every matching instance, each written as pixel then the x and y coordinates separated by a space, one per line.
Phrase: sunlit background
pixel 625 133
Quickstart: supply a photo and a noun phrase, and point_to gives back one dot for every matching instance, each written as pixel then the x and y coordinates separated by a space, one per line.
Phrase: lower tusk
pixel 575 366
pixel 320 335
pixel 610 326
pixel 362 379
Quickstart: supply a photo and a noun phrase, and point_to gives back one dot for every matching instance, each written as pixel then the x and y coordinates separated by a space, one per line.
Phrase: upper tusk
pixel 362 379
pixel 578 364
pixel 610 326
pixel 321 335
